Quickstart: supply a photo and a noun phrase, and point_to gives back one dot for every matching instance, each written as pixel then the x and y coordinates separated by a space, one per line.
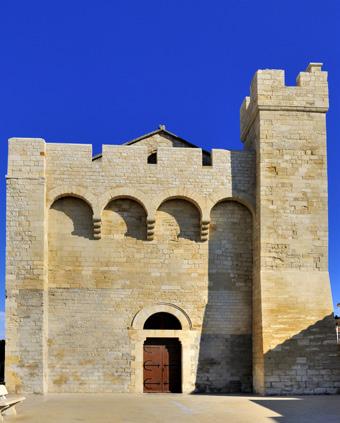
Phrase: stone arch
pixel 183 194
pixel 222 195
pixel 142 315
pixel 177 218
pixel 129 193
pixel 124 217
pixel 71 191
pixel 69 210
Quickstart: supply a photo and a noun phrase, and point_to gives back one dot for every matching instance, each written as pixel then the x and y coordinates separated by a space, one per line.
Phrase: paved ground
pixel 163 408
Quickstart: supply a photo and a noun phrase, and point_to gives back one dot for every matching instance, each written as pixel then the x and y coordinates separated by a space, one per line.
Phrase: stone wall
pixel 123 235
pixel 97 286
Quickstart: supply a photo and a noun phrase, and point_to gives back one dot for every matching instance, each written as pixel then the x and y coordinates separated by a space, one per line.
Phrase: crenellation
pixel 221 159
pixel 185 159
pixel 68 151
pixel 117 154
pixel 268 92
pixel 265 81
pixel 313 76
pixel 26 158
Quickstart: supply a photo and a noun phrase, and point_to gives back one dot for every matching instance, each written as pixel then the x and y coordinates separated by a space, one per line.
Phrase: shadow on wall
pixel 307 363
pixel 124 217
pixel 79 214
pixel 243 171
pixel 177 218
pixel 225 352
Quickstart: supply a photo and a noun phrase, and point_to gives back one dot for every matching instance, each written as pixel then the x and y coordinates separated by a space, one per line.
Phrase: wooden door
pixel 153 368
pixel 162 368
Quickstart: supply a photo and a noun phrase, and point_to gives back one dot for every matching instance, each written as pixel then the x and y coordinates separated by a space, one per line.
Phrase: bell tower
pixel 294 344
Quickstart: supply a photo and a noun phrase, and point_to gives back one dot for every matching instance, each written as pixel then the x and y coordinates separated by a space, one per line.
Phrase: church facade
pixel 157 266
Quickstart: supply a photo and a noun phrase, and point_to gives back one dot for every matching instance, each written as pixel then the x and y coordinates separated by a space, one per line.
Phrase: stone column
pixel 26 272
pixel 294 343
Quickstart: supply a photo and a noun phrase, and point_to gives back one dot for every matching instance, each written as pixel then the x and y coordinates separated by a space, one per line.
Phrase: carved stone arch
pixel 77 192
pixel 142 315
pixel 125 192
pixel 197 200
pixel 71 191
pixel 224 195
pixel 183 194
pixel 135 195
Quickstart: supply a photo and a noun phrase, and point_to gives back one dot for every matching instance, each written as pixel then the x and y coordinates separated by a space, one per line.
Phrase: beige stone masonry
pixel 293 350
pixel 232 244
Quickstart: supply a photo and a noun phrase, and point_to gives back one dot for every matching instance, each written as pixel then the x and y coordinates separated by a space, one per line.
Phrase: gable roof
pixel 161 131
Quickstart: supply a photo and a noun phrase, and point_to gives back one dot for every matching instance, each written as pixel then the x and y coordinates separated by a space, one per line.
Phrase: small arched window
pixel 162 320
pixel 152 158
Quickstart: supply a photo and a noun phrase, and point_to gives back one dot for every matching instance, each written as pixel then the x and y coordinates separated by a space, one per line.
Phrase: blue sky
pixel 104 72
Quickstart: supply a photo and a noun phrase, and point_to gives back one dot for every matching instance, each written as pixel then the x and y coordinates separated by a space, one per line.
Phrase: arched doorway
pixel 162 361
pixel 186 338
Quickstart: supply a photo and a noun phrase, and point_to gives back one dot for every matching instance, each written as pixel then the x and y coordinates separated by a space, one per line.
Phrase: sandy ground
pixel 174 408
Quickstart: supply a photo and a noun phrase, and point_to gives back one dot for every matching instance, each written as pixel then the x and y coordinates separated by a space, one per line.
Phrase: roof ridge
pixel 161 129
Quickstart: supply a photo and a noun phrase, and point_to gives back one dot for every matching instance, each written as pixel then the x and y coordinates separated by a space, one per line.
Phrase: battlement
pixel 269 92
pixel 31 157
pixel 26 157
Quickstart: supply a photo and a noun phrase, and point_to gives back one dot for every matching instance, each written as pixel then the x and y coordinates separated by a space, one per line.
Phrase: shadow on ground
pixel 311 409
pixel 170 408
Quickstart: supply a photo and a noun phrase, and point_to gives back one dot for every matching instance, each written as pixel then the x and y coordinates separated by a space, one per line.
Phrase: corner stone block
pixel 26 157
